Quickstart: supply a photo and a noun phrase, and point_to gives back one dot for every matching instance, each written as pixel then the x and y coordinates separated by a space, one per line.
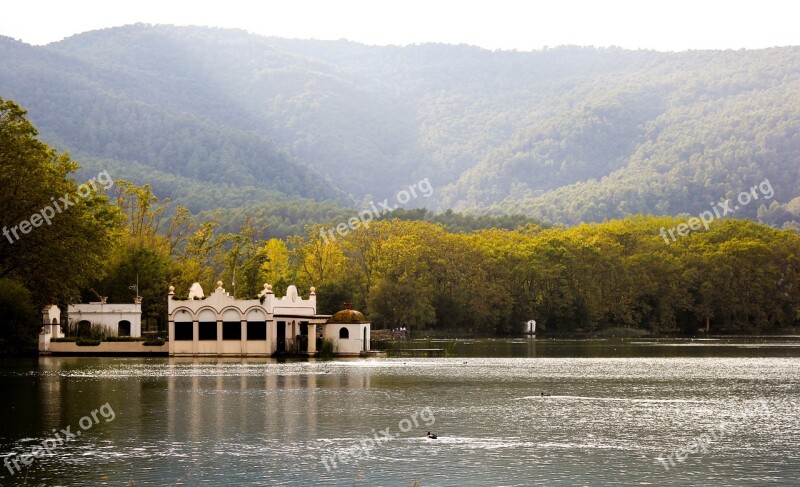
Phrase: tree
pixel 275 268
pixel 403 296
pixel 57 234
pixel 321 264
pixel 17 315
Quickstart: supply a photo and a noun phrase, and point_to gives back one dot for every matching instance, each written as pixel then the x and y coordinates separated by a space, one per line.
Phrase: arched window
pixel 344 332
pixel 231 330
pixel 256 325
pixel 124 328
pixel 206 325
pixel 184 329
pixel 84 328
pixel 231 325
pixel 207 330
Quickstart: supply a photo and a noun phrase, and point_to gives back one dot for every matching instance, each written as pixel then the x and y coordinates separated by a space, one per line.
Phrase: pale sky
pixel 670 25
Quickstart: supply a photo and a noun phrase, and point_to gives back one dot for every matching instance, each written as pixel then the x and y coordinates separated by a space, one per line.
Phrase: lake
pixel 615 412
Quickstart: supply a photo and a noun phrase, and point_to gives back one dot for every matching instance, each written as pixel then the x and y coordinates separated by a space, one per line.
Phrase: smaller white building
pixel 124 319
pixel 349 331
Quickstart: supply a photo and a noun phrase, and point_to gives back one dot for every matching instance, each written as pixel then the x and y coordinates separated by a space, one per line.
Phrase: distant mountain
pixel 143 127
pixel 221 118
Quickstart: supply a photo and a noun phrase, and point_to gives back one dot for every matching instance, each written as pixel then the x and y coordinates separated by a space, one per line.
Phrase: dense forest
pixel 218 119
pixel 448 272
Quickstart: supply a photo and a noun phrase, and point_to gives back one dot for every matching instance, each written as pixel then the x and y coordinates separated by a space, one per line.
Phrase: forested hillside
pixel 217 118
pixel 428 271
pixel 115 119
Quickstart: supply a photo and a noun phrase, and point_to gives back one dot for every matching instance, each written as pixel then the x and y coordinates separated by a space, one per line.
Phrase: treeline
pixel 621 276
pixel 456 222
pixel 737 277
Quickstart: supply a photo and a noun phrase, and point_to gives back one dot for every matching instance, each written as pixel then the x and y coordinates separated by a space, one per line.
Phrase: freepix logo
pixel 719 210
pixel 61 437
pixel 420 188
pixel 49 212
pixel 363 449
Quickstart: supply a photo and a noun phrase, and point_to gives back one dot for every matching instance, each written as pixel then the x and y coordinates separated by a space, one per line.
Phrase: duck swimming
pixel 432 436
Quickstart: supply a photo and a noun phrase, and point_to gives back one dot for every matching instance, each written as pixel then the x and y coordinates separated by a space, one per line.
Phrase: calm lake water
pixel 718 412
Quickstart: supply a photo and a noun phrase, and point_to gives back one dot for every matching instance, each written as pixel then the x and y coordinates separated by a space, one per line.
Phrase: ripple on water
pixel 606 421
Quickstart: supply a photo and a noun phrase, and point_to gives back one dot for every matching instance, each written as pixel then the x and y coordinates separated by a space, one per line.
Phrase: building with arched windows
pixel 220 325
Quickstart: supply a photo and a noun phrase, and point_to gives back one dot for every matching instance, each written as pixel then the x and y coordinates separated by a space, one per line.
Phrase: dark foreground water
pixel 719 412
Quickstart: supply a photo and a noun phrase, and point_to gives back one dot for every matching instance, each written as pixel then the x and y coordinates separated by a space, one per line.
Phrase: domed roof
pixel 348 315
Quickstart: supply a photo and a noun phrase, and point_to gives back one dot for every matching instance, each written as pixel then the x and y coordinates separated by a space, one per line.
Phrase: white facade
pixel 348 338
pixel 51 327
pixel 119 319
pixel 220 325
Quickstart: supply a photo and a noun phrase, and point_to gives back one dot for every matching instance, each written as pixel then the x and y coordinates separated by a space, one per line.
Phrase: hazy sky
pixel 504 24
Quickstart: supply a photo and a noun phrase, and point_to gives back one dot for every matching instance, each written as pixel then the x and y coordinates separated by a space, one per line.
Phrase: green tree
pixel 55 251
pixel 19 318
pixel 276 269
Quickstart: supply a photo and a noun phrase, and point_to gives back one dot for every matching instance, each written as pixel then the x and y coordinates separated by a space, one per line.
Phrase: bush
pixel 95 331
pixel 122 339
pixel 63 339
pixel 328 349
pixel 87 342
pixel 19 318
pixel 382 344
pixel 154 342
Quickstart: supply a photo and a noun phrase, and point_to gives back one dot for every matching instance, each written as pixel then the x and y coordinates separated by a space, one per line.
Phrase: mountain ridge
pixel 564 135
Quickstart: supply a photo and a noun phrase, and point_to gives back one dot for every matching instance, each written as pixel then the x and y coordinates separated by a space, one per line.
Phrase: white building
pixel 118 319
pixel 51 327
pixel 349 330
pixel 220 325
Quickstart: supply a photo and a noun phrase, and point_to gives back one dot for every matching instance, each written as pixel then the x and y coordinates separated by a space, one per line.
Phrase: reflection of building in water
pixel 220 325
pixel 64 397
pixel 274 401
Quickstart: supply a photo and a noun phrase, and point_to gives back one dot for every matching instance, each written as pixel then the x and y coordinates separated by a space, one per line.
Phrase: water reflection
pixel 261 422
